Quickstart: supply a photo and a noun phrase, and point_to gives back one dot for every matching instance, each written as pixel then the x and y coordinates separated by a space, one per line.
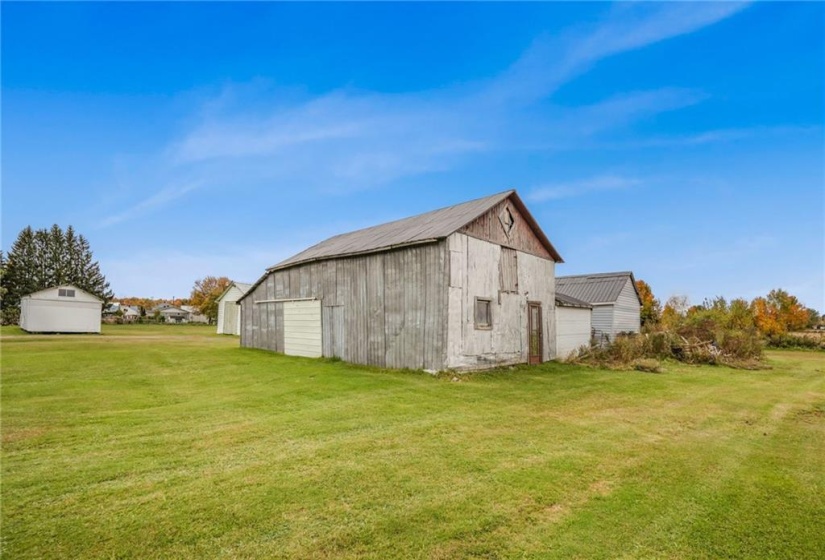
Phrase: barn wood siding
pixel 475 272
pixel 522 238
pixel 386 309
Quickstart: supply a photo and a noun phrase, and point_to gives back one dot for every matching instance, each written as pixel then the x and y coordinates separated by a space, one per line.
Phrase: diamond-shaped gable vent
pixel 507 220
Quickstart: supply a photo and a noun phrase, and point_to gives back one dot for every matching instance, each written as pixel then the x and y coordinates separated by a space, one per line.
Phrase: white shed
pixel 573 324
pixel 614 297
pixel 62 309
pixel 229 312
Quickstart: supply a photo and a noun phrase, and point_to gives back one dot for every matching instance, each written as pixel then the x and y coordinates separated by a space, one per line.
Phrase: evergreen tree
pixel 47 258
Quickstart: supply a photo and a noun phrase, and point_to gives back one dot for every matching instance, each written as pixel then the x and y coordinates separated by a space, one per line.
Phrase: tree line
pixel 773 315
pixel 45 258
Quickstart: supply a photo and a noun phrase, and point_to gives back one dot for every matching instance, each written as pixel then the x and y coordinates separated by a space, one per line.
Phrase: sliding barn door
pixel 302 328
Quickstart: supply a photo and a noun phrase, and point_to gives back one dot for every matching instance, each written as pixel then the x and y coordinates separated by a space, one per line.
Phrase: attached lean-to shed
pixel 62 309
pixel 614 297
pixel 573 324
pixel 466 287
pixel 229 312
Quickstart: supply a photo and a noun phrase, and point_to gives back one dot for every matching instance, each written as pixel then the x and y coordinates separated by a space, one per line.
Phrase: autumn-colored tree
pixel 651 308
pixel 779 313
pixel 740 316
pixel 674 311
pixel 205 295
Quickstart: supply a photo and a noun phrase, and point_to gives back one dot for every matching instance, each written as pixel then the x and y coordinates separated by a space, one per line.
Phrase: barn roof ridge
pixel 422 228
pixel 598 274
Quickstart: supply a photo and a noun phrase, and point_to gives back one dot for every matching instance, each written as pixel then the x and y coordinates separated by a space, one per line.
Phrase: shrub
pixel 721 346
pixel 813 342
pixel 10 316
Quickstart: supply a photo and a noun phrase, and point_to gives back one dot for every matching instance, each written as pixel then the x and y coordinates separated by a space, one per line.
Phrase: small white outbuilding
pixel 614 297
pixel 229 312
pixel 62 309
pixel 573 324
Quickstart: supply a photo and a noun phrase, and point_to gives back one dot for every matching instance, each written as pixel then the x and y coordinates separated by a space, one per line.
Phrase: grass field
pixel 171 442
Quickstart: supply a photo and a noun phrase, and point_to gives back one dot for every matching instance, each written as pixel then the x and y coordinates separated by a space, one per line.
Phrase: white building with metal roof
pixel 614 297
pixel 62 309
pixel 465 287
pixel 229 312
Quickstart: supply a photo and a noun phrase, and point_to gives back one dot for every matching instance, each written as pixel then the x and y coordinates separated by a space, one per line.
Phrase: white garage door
pixel 302 328
pixel 572 329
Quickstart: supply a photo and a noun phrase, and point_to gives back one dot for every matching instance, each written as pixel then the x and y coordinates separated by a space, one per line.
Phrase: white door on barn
pixel 302 328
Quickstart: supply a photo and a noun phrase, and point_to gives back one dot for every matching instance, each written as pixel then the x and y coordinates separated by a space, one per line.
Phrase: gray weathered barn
pixel 464 287
pixel 614 297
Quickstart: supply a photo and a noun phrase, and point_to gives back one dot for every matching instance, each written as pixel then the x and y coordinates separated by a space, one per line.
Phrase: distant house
pixel 614 297
pixel 229 312
pixel 116 312
pixel 131 313
pixel 160 307
pixel 195 316
pixel 62 309
pixel 573 324
pixel 172 314
pixel 467 287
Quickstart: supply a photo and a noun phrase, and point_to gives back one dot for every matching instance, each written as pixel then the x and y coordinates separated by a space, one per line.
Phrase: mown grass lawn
pixel 171 442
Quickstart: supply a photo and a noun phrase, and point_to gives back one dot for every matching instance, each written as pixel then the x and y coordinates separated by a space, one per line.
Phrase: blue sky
pixel 681 141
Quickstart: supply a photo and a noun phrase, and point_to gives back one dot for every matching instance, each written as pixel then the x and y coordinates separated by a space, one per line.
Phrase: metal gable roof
pixel 595 288
pixel 243 286
pixel 563 300
pixel 423 228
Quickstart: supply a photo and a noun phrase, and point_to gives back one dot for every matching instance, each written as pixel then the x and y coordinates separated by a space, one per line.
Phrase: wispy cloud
pixel 349 140
pixel 719 136
pixel 580 188
pixel 160 198
pixel 551 62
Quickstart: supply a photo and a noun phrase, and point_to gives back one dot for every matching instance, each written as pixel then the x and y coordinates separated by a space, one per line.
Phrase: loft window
pixel 484 313
pixel 508 270
pixel 507 220
pixel 63 292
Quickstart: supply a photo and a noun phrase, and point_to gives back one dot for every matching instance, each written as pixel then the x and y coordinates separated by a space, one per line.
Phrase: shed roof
pixel 563 300
pixel 423 228
pixel 43 294
pixel 242 286
pixel 599 288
